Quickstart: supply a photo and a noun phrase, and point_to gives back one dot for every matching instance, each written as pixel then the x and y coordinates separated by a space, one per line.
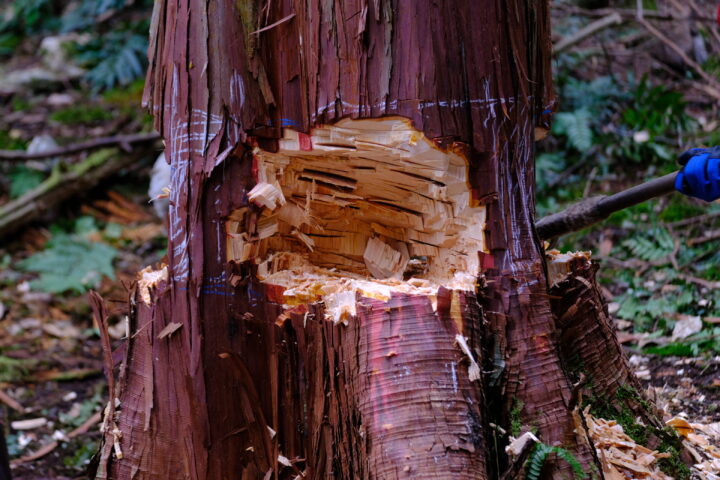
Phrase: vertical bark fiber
pixel 589 347
pixel 246 387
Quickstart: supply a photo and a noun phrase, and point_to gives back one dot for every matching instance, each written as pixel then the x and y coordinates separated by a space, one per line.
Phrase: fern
pixel 538 457
pixel 87 11
pixel 116 59
pixel 574 463
pixel 598 95
pixel 654 246
pixel 27 16
pixel 536 461
pixel 576 126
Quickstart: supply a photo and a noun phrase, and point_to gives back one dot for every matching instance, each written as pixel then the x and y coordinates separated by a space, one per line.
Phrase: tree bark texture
pixel 221 378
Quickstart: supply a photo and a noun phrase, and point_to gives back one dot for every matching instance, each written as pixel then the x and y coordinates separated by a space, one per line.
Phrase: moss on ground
pixel 626 418
pixel 81 115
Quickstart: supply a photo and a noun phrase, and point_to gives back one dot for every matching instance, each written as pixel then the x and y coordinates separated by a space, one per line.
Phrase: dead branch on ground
pixel 124 141
pixel 62 185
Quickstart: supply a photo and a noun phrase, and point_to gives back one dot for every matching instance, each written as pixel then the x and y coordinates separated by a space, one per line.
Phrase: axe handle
pixel 595 209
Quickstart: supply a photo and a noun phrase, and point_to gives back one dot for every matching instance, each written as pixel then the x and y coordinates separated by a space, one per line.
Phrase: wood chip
pixel 169 329
pixel 29 424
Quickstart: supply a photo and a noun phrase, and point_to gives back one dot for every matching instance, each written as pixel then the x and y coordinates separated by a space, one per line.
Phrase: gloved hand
pixel 700 176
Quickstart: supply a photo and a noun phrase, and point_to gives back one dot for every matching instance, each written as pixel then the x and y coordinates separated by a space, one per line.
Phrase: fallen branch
pixel 709 237
pixel 587 31
pixel 124 141
pixel 49 447
pixel 712 88
pixel 697 219
pixel 629 13
pixel 710 285
pixel 11 402
pixel 62 185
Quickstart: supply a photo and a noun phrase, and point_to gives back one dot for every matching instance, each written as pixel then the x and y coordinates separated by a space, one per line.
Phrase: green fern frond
pixel 571 460
pixel 538 457
pixel 114 59
pixel 536 460
pixel 577 127
pixel 656 245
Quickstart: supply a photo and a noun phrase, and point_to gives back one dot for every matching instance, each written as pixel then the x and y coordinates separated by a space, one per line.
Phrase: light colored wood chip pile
pixel 623 459
pixel 701 441
pixel 620 456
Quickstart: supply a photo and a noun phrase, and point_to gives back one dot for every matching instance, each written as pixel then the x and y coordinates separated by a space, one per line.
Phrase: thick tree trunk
pixel 354 288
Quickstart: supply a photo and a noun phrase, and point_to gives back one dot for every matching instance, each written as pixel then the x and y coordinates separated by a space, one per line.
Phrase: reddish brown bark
pixel 243 379
pixel 595 359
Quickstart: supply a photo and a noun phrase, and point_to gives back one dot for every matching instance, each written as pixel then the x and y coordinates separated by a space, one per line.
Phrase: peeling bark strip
pixel 344 175
pixel 589 345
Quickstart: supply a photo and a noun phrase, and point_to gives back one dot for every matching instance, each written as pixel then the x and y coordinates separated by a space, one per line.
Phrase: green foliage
pixel 538 457
pixel 656 110
pixel 23 179
pixel 712 65
pixel 635 131
pixel 603 408
pixel 671 350
pixel 19 104
pixel 577 127
pixel 8 142
pixel 87 408
pixel 600 95
pixel 71 262
pixel 28 17
pixel 113 56
pixel 650 246
pixel 706 340
pixel 81 457
pixel 673 465
pixel 515 421
pixel 114 59
pixel 603 128
pixel 81 115
pixel 126 97
pixel 86 13
pixel 645 306
pixel 14 369
pixel 678 208
pixel 653 117
pixel 8 43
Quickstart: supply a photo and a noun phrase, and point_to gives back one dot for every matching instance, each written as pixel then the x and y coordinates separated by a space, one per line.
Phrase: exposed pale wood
pixel 365 197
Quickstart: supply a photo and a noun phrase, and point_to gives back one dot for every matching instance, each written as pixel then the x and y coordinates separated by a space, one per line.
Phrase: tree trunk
pixel 354 287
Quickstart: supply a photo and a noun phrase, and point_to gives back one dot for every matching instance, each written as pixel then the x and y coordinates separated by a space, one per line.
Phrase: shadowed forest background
pixel 639 89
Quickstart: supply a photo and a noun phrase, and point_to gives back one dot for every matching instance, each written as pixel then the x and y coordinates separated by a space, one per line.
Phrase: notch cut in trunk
pixel 368 206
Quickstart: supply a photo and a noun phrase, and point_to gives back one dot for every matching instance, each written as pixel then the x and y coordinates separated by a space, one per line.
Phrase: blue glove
pixel 700 177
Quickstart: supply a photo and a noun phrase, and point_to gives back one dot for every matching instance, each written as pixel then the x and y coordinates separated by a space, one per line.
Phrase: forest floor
pixel 621 119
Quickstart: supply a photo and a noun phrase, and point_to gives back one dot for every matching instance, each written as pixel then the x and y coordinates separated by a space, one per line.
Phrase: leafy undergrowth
pixel 660 260
pixel 50 352
pixel 112 57
pixel 49 347
pixel 71 262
